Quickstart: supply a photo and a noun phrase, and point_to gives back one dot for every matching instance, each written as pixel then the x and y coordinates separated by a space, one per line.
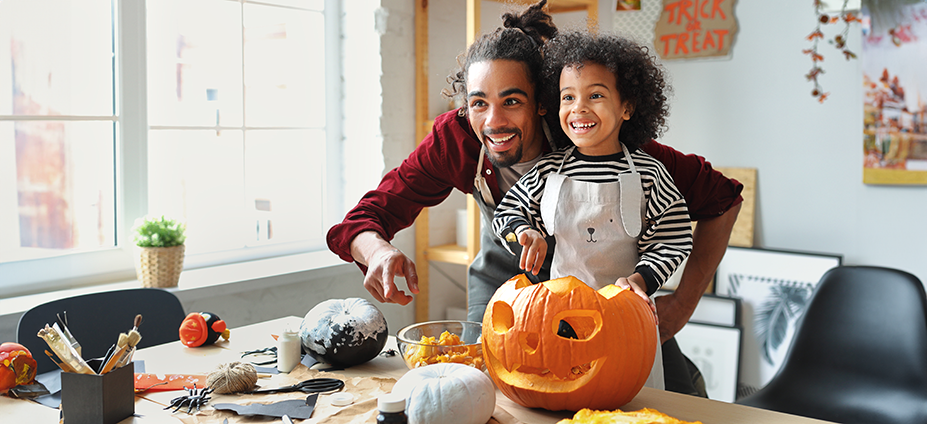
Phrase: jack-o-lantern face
pixel 560 345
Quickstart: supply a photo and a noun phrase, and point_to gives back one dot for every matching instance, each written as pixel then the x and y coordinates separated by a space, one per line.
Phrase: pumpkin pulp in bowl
pixel 447 341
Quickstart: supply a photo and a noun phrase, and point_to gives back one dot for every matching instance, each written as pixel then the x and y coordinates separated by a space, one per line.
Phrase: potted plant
pixel 161 244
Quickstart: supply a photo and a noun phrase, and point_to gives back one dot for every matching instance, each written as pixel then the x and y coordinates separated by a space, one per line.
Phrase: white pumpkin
pixel 447 393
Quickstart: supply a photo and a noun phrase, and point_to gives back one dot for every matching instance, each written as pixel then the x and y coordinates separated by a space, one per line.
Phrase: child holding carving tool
pixel 614 211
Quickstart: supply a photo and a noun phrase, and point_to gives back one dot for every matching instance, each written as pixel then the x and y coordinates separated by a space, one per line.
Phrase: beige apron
pixel 597 227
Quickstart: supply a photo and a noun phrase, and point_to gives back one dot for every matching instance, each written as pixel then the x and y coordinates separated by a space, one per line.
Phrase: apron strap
pixel 632 193
pixel 566 155
pixel 480 183
pixel 552 195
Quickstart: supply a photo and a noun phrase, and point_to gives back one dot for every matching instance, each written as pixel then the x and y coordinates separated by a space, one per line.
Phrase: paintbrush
pixel 131 341
pixel 66 333
pixel 64 351
pixel 121 346
pixel 137 322
pixel 64 367
pixel 134 338
pixel 105 358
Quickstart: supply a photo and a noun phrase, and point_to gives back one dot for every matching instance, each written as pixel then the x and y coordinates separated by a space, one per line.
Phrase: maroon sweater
pixel 446 160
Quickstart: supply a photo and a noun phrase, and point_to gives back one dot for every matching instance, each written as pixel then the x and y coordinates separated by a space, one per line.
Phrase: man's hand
pixel 384 263
pixel 534 250
pixel 709 242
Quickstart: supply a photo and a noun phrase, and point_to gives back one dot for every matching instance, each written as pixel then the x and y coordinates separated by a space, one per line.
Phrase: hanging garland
pixel 839 41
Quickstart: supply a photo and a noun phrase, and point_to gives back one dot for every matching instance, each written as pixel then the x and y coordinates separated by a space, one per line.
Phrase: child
pixel 614 220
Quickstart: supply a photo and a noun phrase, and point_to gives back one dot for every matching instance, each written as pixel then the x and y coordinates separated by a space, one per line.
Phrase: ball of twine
pixel 233 377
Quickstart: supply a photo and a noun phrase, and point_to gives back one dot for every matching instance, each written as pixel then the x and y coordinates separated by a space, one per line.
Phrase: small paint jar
pixel 289 351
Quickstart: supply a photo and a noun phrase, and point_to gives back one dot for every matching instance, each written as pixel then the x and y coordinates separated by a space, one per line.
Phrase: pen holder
pixel 98 399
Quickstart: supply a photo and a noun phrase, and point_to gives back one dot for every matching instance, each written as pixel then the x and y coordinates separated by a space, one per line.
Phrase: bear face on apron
pixel 597 227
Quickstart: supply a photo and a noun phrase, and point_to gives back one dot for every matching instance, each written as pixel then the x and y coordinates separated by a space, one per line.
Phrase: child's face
pixel 591 110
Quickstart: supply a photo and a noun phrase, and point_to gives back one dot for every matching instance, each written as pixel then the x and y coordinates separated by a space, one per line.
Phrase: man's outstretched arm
pixel 709 242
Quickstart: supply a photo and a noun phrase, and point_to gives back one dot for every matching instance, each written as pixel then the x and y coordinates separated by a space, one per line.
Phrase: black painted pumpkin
pixel 344 332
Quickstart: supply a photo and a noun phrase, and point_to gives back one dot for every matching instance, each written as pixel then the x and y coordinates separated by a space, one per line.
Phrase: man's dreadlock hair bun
pixel 534 22
pixel 520 39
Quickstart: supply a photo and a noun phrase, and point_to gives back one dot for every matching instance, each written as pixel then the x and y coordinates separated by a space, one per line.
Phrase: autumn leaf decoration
pixel 839 41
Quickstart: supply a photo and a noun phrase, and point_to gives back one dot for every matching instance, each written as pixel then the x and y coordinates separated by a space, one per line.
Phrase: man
pixel 483 149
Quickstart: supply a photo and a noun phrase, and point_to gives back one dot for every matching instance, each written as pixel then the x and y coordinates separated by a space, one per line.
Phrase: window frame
pixel 107 265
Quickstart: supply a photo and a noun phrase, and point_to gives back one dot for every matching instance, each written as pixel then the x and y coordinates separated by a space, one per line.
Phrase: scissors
pixel 315 385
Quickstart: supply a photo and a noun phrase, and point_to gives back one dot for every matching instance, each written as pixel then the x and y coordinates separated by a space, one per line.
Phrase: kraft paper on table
pixel 366 390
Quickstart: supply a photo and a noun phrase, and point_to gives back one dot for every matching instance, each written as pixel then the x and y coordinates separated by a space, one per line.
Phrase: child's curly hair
pixel 640 79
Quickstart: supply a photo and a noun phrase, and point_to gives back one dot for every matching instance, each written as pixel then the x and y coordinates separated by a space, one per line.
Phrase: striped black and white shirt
pixel 666 238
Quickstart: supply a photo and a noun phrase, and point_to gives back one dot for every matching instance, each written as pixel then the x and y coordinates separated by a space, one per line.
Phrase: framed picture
pixel 774 287
pixel 894 137
pixel 715 349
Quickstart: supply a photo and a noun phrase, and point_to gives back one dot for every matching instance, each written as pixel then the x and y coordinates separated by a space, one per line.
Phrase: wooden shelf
pixel 450 253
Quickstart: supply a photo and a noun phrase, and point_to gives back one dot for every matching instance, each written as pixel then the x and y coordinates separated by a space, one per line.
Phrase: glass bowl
pixel 423 344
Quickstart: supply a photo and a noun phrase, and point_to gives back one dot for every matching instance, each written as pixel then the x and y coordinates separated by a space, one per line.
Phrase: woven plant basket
pixel 159 266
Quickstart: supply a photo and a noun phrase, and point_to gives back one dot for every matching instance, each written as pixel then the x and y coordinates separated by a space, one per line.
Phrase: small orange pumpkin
pixel 560 345
pixel 16 366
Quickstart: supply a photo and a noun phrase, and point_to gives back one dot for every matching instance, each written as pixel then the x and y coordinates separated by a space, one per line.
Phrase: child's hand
pixel 635 286
pixel 534 249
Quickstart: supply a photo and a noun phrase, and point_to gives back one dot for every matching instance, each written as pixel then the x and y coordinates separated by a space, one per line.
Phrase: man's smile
pixel 499 140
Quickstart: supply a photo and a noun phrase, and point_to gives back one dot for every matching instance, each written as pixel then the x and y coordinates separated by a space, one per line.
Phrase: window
pixel 56 128
pixel 223 114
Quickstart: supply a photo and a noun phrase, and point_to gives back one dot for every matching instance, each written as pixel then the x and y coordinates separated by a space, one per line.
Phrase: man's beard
pixel 506 159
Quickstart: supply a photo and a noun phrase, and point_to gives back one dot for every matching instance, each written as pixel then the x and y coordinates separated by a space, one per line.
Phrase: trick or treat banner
pixel 894 93
pixel 695 28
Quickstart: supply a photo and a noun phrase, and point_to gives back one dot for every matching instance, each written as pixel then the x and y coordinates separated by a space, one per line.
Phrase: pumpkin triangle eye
pixel 566 330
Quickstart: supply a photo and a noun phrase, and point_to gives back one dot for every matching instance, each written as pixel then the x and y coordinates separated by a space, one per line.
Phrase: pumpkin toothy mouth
pixel 533 378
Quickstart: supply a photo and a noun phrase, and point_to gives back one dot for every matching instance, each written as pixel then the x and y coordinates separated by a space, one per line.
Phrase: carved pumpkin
pixel 560 345
pixel 16 366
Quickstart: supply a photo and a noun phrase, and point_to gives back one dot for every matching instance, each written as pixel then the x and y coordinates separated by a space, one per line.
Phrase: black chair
pixel 96 320
pixel 859 354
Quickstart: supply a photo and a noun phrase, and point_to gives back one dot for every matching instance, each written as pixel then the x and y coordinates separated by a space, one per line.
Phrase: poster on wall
pixel 624 5
pixel 894 92
pixel 774 288
pixel 690 29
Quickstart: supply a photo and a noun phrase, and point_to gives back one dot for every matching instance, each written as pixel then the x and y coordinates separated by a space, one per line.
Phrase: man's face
pixel 503 111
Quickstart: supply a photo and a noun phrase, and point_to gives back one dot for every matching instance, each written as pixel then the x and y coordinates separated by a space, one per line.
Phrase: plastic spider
pixel 192 399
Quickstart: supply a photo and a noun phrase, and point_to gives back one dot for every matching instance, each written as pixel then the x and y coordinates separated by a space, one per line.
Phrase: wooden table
pixel 174 358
